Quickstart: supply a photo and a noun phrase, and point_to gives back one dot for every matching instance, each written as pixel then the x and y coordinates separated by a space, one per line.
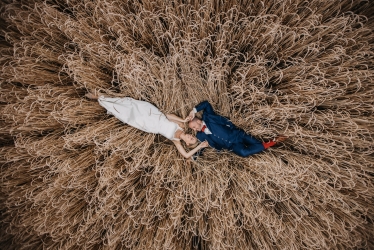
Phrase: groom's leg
pixel 249 140
pixel 244 151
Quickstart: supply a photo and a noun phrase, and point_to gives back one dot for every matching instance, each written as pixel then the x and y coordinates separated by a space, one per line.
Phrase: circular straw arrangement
pixel 73 177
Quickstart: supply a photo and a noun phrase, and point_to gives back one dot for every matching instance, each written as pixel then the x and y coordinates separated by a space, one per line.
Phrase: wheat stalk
pixel 73 177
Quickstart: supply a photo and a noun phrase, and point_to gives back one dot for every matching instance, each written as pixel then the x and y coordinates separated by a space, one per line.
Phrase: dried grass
pixel 73 177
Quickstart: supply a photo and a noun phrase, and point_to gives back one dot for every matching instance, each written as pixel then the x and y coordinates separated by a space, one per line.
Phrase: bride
pixel 146 117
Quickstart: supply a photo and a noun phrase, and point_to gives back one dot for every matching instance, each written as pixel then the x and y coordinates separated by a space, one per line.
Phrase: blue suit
pixel 225 135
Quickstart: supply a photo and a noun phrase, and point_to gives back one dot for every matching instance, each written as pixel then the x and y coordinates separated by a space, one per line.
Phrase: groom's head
pixel 195 124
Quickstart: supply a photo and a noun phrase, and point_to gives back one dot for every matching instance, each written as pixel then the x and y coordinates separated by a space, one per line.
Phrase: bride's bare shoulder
pixel 180 124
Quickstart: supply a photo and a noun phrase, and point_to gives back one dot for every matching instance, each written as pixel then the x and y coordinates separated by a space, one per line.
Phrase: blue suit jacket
pixel 224 132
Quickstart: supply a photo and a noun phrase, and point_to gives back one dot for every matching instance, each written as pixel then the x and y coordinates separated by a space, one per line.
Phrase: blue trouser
pixel 247 146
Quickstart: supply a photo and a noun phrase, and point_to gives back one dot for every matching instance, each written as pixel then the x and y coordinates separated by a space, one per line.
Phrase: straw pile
pixel 73 177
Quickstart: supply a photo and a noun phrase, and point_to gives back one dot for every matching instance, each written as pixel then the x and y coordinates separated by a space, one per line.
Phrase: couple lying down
pixel 212 130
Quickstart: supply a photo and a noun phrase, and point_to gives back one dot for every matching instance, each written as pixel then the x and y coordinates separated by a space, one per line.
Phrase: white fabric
pixel 139 114
pixel 206 130
pixel 178 128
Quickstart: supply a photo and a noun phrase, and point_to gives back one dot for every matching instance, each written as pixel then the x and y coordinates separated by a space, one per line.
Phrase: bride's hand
pixel 204 144
pixel 191 115
pixel 187 119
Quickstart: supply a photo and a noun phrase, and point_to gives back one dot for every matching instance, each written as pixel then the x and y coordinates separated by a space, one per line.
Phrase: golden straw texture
pixel 73 177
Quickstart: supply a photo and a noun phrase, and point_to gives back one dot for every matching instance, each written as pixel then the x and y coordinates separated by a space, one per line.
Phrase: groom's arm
pixel 200 152
pixel 201 137
pixel 205 106
pixel 197 154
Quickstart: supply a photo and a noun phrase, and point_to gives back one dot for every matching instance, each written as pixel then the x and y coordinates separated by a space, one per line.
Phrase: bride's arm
pixel 193 151
pixel 176 119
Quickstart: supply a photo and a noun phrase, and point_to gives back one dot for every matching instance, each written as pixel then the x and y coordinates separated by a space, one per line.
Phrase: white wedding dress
pixel 141 115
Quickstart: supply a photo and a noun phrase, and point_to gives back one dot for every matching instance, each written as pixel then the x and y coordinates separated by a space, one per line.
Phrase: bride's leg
pixel 91 96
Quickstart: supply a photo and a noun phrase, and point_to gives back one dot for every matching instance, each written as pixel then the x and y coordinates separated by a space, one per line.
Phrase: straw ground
pixel 73 177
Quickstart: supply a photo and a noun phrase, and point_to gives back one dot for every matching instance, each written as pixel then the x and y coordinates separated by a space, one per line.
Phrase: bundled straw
pixel 73 177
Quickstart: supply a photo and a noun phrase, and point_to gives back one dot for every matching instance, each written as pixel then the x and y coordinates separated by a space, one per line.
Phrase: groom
pixel 221 133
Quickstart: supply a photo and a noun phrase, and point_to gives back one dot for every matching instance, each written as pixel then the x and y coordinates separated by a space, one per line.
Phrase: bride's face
pixel 190 139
